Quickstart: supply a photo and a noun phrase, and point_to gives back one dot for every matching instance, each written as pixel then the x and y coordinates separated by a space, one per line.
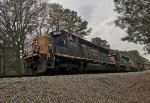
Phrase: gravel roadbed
pixel 133 87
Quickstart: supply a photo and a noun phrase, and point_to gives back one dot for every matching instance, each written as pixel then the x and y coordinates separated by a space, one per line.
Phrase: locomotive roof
pixel 125 57
pixel 102 49
pixel 83 41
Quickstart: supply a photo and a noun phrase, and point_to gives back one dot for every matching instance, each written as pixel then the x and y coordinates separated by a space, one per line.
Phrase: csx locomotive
pixel 63 51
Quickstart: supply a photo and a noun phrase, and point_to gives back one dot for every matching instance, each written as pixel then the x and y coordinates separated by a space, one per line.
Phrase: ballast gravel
pixel 132 87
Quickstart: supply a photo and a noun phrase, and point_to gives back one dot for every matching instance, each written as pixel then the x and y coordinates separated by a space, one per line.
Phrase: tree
pixel 18 19
pixel 100 42
pixel 66 19
pixel 134 18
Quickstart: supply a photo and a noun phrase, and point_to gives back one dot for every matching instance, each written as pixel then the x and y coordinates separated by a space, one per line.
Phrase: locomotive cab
pixel 112 59
pixel 37 61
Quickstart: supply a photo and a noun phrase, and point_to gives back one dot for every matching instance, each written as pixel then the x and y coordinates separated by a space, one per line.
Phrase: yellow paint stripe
pixel 75 57
pixel 30 55
pixel 112 63
pixel 68 56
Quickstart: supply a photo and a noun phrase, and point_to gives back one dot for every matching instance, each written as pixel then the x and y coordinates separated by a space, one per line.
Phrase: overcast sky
pixel 100 16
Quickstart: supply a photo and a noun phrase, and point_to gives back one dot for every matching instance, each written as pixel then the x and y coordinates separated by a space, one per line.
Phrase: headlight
pixel 36 42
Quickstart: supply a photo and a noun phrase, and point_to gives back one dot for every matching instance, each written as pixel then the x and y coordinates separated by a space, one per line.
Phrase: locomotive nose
pixel 41 45
pixel 39 59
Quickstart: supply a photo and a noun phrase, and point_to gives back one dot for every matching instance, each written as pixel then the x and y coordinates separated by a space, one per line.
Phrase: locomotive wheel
pixel 84 66
pixel 68 69
pixel 42 67
pixel 29 71
pixel 113 69
pixel 34 72
pixel 56 69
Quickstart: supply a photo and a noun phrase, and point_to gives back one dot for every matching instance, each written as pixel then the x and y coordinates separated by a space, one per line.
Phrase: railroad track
pixel 59 73
pixel 18 76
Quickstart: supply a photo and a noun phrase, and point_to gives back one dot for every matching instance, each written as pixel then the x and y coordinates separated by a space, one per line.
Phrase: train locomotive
pixel 63 51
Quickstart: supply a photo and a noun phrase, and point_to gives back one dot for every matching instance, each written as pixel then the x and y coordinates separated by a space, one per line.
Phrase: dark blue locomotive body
pixel 61 50
pixel 74 52
pixel 71 45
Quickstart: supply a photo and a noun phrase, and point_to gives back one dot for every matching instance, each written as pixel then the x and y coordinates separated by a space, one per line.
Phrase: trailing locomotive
pixel 62 51
pixel 122 63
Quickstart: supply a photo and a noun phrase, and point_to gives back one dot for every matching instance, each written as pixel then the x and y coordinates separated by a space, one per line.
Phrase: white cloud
pixel 100 15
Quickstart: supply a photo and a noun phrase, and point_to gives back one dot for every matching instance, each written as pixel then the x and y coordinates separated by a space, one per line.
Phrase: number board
pixel 93 53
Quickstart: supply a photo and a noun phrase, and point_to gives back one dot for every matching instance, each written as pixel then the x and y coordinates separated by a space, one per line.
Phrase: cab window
pixel 72 38
pixel 61 41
